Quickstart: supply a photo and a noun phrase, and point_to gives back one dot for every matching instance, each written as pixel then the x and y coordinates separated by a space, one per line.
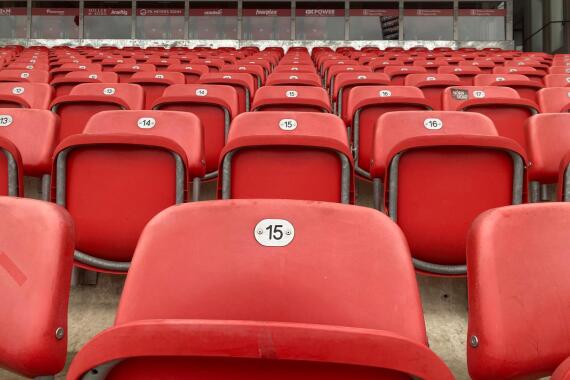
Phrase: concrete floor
pixel 92 308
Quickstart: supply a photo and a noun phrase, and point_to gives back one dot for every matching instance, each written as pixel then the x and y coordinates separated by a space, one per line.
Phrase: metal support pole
pixel 347 20
pixel 81 27
pixel 401 21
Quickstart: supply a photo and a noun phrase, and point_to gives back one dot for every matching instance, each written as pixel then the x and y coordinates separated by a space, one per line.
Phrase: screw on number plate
pixel 260 232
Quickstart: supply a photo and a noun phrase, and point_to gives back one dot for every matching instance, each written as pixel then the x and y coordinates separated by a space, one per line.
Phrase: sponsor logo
pixel 266 12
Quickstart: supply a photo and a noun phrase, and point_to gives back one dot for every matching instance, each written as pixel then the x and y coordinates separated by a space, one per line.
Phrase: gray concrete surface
pixel 92 308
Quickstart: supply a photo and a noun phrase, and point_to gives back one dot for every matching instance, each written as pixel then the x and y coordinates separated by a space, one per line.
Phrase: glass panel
pixel 482 20
pixel 266 20
pixel 13 19
pixel 320 21
pixel 428 20
pixel 213 20
pixel 55 19
pixel 160 20
pixel 374 20
pixel 107 19
pixel 556 29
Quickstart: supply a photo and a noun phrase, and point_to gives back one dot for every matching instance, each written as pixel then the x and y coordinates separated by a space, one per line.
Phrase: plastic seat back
pixel 244 84
pixel 432 86
pixel 255 70
pixel 291 98
pixel 287 155
pixel 30 76
pixel 294 79
pixel 34 133
pixel 85 100
pixel 557 80
pixel 439 171
pixel 65 84
pixel 365 105
pixel 162 63
pixel 71 67
pixel 559 70
pixel 154 84
pixel 125 168
pixel 224 335
pixel 191 72
pixel 548 143
pixel 503 105
pixel 506 247
pixel 36 256
pixel 215 106
pixel 25 95
pixel 346 81
pixel 525 87
pixel 530 72
pixel 126 70
pixel 466 74
pixel 398 74
pixel 554 99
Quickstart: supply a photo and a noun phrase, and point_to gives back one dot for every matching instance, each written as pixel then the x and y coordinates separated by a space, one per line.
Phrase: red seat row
pixel 303 329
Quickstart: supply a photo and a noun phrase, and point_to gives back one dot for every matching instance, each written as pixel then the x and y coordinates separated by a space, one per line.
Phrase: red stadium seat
pixel 27 66
pixel 563 371
pixel 531 73
pixel 548 142
pixel 557 80
pixel 25 95
pixel 287 155
pixel 432 86
pixel 85 100
pixel 554 99
pixel 398 74
pixel 191 72
pixel 109 63
pixel 255 70
pixel 298 331
pixel 535 64
pixel 296 69
pixel 214 64
pixel 126 70
pixel 431 66
pixel 291 98
pixel 34 133
pixel 162 63
pixel 501 104
pixel 519 316
pixel 440 170
pixel 466 74
pixel 334 70
pixel 345 82
pixel 559 70
pixel 244 84
pixel 154 84
pixel 70 67
pixel 525 87
pixel 293 79
pixel 36 254
pixel 11 167
pixel 486 67
pixel 365 105
pixel 64 85
pixel 126 167
pixel 30 76
pixel 215 106
pixel 379 65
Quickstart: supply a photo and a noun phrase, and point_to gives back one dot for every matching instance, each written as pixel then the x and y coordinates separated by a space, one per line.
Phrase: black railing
pixel 544 27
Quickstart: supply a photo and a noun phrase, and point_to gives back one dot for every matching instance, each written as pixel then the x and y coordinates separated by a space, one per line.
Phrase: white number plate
pixel 274 232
